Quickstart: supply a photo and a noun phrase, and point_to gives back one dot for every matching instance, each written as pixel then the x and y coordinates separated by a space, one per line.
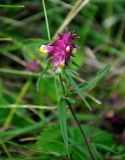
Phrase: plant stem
pixel 46 19
pixel 81 130
pixel 77 121
pixel 60 78
pixel 61 81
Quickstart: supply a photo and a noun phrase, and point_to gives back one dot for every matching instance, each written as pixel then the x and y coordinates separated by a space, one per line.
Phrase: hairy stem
pixel 81 130
pixel 77 121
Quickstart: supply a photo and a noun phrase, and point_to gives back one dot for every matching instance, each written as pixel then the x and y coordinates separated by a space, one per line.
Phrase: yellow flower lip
pixel 42 49
pixel 61 65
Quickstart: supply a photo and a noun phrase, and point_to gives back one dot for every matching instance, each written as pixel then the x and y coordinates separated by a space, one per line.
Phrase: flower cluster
pixel 60 50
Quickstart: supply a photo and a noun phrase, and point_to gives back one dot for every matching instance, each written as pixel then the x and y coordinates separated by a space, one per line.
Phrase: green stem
pixel 46 19
pixel 77 122
pixel 56 87
pixel 61 81
pixel 81 130
pixel 6 150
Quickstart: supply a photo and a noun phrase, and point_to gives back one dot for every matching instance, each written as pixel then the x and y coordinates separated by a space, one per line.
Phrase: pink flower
pixel 33 66
pixel 60 50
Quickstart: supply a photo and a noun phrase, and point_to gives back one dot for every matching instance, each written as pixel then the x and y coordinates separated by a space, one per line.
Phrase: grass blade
pixel 62 121
pixel 99 76
pixel 28 106
pixel 11 6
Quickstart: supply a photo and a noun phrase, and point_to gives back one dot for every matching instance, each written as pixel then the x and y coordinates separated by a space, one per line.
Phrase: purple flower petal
pixel 60 50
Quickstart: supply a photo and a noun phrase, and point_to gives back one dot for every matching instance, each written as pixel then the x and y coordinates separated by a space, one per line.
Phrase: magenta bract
pixel 60 50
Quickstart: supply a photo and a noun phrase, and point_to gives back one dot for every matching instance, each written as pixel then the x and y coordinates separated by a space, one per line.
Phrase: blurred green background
pixel 28 120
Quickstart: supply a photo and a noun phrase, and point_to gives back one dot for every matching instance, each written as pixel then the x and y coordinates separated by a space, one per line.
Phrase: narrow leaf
pixel 71 100
pixel 99 76
pixel 75 64
pixel 11 6
pixel 63 122
pixel 77 89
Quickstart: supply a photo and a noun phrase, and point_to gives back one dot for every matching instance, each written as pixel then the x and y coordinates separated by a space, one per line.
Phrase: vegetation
pixel 77 113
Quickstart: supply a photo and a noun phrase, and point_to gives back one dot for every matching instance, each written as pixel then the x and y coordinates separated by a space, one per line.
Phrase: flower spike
pixel 60 50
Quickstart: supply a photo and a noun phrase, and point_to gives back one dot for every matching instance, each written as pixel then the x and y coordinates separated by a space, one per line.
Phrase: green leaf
pixel 50 141
pixel 99 76
pixel 55 147
pixel 41 75
pixel 71 100
pixel 49 134
pixel 100 140
pixel 105 148
pixel 2 98
pixel 77 89
pixel 63 122
pixel 75 64
pixel 97 155
pixel 23 130
pixel 103 137
pixel 77 155
pixel 72 73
